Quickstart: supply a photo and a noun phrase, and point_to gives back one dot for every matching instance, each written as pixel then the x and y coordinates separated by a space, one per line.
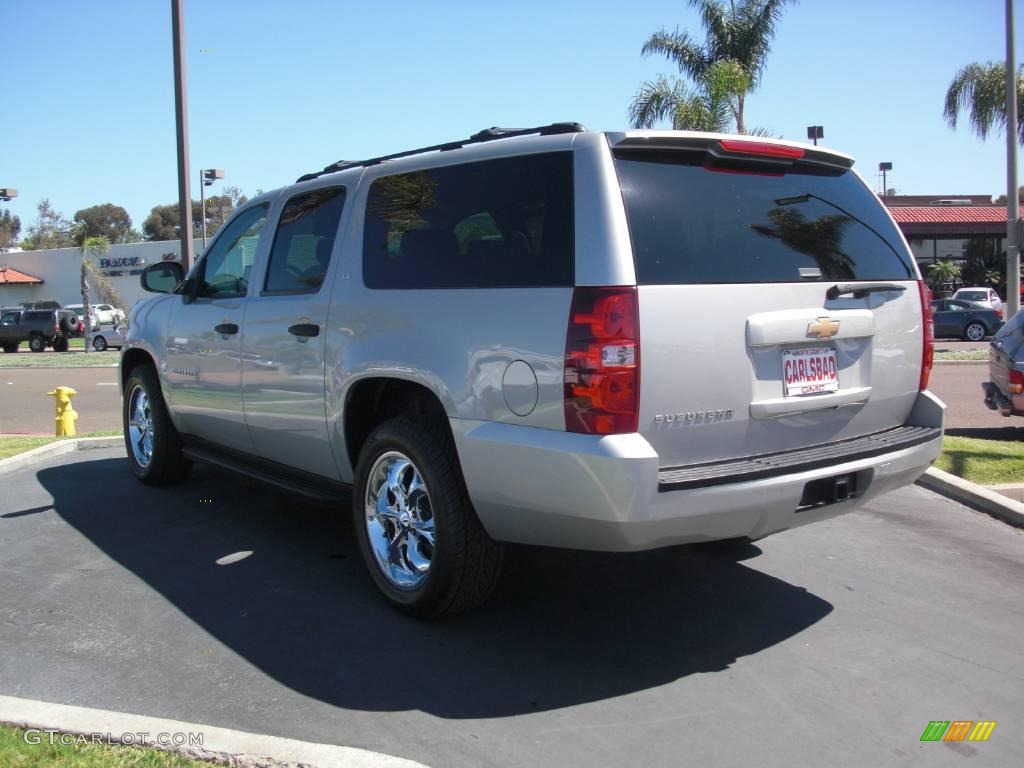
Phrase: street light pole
pixel 1012 200
pixel 885 168
pixel 181 123
pixel 206 179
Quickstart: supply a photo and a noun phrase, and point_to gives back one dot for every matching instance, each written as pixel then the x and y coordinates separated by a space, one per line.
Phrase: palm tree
pixel 942 273
pixel 94 246
pixel 980 91
pixel 740 34
pixel 706 108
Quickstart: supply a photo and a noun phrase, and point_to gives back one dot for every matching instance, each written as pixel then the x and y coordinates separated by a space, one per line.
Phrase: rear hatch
pixel 779 306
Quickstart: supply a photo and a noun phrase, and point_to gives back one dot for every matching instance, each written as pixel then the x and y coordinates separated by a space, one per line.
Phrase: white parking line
pixel 216 743
pixel 106 383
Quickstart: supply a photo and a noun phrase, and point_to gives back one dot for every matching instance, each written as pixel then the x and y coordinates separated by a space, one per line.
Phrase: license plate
pixel 809 371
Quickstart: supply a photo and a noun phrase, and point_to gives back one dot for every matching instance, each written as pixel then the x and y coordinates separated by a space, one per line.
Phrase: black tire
pixel 99 343
pixel 10 348
pixel 36 342
pixel 465 563
pixel 975 331
pixel 167 464
pixel 60 344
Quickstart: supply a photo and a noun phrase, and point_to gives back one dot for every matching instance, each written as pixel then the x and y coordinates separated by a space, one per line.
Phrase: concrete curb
pixel 57 448
pixel 977 496
pixel 236 748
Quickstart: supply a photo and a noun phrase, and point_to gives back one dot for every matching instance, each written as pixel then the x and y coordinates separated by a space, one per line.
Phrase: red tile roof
pixel 949 214
pixel 11 276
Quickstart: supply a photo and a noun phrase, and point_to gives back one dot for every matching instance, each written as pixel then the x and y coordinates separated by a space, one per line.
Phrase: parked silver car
pixel 609 341
pixel 108 338
pixel 1004 391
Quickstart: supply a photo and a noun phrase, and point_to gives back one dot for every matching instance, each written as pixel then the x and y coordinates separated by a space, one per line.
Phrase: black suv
pixel 42 328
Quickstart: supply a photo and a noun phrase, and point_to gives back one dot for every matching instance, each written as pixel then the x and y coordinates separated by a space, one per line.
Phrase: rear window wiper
pixel 860 290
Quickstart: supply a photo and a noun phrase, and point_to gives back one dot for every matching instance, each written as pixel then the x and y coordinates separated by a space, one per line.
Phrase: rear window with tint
pixel 498 223
pixel 36 315
pixel 692 225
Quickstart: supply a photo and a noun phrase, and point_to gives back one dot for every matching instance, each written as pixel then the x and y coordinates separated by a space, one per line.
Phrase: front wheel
pixel 99 344
pixel 418 533
pixel 154 446
pixel 975 332
pixel 10 348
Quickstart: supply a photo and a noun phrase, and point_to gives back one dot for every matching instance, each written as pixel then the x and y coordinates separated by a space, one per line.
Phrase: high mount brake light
pixel 602 361
pixel 928 340
pixel 761 149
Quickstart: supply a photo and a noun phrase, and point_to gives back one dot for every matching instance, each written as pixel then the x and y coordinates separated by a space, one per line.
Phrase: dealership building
pixel 56 274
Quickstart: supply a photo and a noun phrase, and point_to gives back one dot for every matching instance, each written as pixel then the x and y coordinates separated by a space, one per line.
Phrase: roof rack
pixel 488 134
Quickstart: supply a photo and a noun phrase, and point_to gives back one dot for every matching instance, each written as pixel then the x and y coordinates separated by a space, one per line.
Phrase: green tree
pixel 979 90
pixel 162 222
pixel 106 220
pixel 10 228
pixel 51 229
pixel 740 33
pixel 942 272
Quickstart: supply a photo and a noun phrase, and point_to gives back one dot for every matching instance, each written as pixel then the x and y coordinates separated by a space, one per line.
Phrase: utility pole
pixel 1012 201
pixel 181 122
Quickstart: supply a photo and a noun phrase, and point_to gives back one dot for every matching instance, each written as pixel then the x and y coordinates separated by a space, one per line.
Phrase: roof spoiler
pixel 488 134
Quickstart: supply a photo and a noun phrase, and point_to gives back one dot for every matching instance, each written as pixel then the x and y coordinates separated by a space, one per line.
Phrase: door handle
pixel 304 329
pixel 226 329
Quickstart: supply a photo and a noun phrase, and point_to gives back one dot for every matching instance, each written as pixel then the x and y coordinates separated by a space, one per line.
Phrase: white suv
pixel 611 341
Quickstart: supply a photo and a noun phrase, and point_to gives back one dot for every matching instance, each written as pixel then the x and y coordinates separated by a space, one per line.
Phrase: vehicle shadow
pixel 563 628
pixel 988 433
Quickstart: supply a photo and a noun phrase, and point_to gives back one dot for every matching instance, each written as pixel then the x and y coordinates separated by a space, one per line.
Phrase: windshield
pixel 693 225
pixel 972 295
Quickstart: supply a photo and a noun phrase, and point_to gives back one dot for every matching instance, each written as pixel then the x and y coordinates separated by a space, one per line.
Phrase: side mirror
pixel 162 277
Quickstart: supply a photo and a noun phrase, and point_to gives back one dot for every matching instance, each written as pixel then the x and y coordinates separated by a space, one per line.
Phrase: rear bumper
pixel 536 486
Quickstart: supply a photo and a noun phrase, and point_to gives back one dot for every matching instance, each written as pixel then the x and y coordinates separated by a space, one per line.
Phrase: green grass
pixel 986 462
pixel 25 359
pixel 78 343
pixel 12 445
pixel 14 752
pixel 979 355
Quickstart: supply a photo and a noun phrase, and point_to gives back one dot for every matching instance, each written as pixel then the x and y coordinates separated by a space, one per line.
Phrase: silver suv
pixel 608 341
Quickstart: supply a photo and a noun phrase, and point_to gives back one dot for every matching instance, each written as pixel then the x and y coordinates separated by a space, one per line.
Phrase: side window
pixel 498 223
pixel 304 241
pixel 226 266
pixel 10 318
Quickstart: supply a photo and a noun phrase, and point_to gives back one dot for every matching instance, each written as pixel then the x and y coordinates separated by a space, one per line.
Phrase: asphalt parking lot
pixel 833 644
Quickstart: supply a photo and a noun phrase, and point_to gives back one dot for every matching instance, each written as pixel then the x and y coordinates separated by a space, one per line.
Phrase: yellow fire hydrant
pixel 66 415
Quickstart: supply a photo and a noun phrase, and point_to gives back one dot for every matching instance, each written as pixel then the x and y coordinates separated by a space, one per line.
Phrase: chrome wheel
pixel 140 426
pixel 99 344
pixel 975 332
pixel 399 520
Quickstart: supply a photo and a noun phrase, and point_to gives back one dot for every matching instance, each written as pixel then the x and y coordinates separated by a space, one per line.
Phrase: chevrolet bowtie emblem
pixel 823 328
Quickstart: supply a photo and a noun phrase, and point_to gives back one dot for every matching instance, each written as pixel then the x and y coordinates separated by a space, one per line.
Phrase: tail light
pixel 602 361
pixel 56 328
pixel 999 312
pixel 928 344
pixel 1016 384
pixel 761 149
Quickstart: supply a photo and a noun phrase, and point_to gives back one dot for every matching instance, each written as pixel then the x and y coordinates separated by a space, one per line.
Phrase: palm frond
pixel 679 48
pixel 656 101
pixel 979 91
pixel 764 132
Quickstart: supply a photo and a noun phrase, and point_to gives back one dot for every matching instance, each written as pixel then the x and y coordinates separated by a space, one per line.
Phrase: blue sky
pixel 286 88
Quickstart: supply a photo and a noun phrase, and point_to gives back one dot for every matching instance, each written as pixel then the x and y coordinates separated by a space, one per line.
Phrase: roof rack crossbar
pixel 488 134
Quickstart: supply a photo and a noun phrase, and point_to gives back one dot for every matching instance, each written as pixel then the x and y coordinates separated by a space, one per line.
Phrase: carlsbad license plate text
pixel 809 371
